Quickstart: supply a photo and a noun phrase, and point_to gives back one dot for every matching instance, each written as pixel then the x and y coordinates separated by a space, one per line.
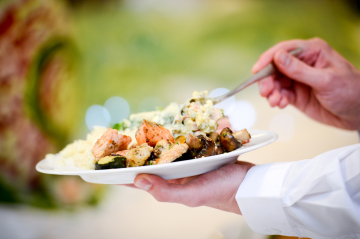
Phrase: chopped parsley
pixel 224 134
pixel 177 143
pixel 119 126
pixel 158 146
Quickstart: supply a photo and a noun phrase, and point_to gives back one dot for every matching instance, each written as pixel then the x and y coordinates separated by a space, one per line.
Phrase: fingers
pixel 164 191
pixel 266 86
pixel 277 89
pixel 297 70
pixel 267 57
pixel 215 189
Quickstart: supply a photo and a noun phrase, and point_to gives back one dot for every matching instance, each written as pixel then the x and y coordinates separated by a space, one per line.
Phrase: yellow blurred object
pixel 40 95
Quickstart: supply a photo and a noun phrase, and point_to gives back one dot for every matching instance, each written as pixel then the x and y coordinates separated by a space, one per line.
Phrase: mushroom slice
pixel 228 141
pixel 242 135
pixel 214 137
pixel 220 149
pixel 209 147
pixel 193 142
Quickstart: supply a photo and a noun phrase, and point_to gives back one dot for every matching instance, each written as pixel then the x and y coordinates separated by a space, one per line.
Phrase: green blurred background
pixel 58 58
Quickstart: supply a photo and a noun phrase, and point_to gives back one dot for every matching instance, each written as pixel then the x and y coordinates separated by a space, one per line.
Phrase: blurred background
pixel 64 64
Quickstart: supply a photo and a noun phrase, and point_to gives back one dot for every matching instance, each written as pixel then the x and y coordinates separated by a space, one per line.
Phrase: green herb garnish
pixel 224 134
pixel 119 126
pixel 158 146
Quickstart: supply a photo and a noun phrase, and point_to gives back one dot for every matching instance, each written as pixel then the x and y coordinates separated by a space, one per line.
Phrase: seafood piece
pixel 138 156
pixel 133 145
pixel 161 147
pixel 111 141
pixel 150 133
pixel 121 153
pixel 175 152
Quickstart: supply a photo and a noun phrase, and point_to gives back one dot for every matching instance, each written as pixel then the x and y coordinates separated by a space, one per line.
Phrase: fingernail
pixel 143 184
pixel 284 59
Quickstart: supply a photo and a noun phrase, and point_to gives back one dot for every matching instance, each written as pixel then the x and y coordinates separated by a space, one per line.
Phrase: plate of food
pixel 167 143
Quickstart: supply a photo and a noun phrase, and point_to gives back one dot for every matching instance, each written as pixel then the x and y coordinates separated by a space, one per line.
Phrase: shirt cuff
pixel 259 199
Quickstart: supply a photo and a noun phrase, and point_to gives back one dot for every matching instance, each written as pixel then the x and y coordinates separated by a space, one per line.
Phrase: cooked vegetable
pixel 228 141
pixel 220 149
pixel 150 162
pixel 214 136
pixel 150 133
pixel 181 139
pixel 242 135
pixel 208 149
pixel 193 142
pixel 110 162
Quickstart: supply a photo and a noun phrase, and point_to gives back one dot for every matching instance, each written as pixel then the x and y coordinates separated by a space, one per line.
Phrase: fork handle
pixel 266 71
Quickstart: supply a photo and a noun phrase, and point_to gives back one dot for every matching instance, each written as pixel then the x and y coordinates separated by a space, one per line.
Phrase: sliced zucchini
pixel 110 162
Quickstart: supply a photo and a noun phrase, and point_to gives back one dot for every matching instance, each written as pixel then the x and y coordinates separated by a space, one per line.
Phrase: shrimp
pixel 111 141
pixel 150 133
pixel 122 153
pixel 173 153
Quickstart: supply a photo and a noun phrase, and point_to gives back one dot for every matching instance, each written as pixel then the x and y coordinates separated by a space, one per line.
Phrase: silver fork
pixel 266 71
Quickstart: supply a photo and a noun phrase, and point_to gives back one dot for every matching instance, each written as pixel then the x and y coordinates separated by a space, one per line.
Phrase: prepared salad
pixel 157 137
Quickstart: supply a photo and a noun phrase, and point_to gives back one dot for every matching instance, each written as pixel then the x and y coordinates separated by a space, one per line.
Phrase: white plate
pixel 259 138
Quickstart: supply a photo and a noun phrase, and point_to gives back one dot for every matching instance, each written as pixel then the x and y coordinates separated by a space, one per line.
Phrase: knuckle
pixel 321 43
pixel 327 79
pixel 317 40
pixel 294 67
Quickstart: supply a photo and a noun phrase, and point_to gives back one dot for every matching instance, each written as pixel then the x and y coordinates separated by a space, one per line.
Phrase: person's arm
pixel 317 198
pixel 320 82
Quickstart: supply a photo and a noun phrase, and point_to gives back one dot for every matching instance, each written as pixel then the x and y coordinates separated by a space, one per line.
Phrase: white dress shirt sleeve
pixel 317 198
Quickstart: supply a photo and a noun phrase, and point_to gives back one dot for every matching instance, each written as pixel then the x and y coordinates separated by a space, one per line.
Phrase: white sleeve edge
pixel 260 202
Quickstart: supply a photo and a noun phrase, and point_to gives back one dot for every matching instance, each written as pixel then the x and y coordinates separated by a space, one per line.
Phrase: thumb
pixel 296 69
pixel 163 191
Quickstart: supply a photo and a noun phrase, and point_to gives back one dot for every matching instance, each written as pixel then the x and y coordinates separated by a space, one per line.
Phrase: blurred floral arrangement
pixel 39 97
